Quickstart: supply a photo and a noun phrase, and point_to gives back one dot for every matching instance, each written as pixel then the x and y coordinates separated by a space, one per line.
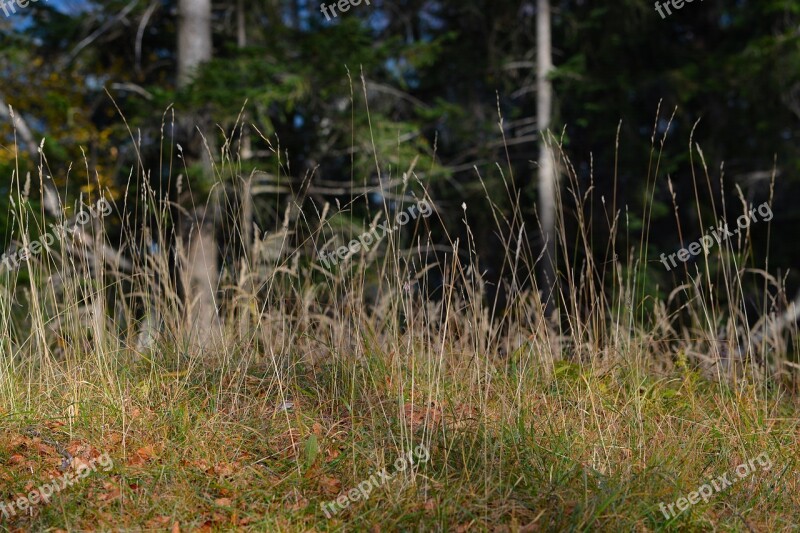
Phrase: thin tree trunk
pixel 241 34
pixel 202 255
pixel 246 153
pixel 547 170
pixel 246 211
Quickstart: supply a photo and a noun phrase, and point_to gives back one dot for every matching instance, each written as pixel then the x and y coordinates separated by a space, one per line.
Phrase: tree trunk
pixel 194 37
pixel 246 211
pixel 547 170
pixel 202 254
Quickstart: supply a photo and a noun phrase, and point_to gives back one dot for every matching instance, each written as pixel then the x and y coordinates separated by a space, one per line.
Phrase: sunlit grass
pixel 584 423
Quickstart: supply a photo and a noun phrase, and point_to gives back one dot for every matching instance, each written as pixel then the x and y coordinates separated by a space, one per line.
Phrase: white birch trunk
pixel 547 170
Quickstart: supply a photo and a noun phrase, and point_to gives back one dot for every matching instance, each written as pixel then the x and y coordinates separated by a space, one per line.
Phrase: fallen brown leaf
pixel 417 415
pixel 159 522
pixel 142 455
pixel 16 459
pixel 112 492
pixel 330 485
pixel 225 469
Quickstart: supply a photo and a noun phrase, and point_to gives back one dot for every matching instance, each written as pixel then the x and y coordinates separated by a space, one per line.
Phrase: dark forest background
pixel 438 76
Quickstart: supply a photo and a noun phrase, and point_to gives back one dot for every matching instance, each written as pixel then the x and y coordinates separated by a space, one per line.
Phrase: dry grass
pixel 584 423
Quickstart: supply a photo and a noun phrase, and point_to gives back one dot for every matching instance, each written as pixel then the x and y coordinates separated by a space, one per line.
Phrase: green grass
pixel 569 449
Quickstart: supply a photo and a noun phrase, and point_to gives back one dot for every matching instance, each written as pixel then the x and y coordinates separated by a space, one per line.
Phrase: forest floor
pixel 503 445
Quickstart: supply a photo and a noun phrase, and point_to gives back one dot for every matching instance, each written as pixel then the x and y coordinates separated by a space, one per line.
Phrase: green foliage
pixel 439 77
